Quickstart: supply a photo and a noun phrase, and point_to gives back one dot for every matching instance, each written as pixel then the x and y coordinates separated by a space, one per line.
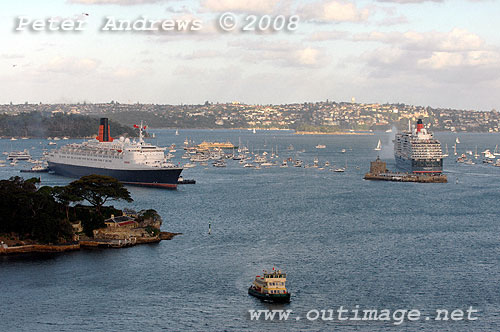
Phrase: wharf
pixel 38 248
pixel 379 172
pixel 405 177
pixel 84 243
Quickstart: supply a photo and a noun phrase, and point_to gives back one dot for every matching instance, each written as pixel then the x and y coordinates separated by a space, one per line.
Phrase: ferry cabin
pixel 271 283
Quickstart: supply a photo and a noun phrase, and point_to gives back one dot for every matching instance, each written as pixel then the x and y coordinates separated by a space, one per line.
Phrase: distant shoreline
pixel 332 133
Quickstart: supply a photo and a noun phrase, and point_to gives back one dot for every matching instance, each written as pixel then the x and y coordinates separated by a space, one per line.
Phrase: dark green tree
pixel 98 189
pixel 64 196
pixel 149 217
pixel 31 213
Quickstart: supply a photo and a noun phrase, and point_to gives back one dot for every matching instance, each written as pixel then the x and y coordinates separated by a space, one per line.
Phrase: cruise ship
pixel 131 162
pixel 417 151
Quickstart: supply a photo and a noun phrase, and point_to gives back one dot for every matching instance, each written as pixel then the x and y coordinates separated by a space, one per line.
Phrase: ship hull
pixel 419 166
pixel 273 298
pixel 159 177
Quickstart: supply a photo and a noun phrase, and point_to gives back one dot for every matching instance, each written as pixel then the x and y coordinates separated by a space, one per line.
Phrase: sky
pixel 439 53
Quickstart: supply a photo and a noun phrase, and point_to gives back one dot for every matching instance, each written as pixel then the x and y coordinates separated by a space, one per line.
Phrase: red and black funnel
pixel 420 125
pixel 104 131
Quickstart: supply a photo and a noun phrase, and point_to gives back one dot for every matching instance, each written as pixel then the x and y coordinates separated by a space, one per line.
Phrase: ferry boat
pixel 417 151
pixel 216 145
pixel 270 287
pixel 36 169
pixel 19 155
pixel 129 161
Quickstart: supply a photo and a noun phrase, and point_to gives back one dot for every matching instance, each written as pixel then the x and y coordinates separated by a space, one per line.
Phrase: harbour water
pixel 343 242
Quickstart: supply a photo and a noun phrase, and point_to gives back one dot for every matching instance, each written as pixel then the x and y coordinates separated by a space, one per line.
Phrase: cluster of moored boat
pixel 486 157
pixel 14 157
pixel 219 157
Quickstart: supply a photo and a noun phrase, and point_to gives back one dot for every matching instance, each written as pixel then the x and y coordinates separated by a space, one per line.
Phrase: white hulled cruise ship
pixel 130 161
pixel 417 151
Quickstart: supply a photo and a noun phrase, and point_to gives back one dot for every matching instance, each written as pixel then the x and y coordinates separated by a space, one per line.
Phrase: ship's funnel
pixel 420 125
pixel 104 131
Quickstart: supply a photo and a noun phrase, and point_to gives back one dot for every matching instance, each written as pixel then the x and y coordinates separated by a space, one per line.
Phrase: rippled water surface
pixel 342 241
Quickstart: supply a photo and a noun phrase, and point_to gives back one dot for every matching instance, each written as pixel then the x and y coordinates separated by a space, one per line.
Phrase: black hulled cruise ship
pixel 131 162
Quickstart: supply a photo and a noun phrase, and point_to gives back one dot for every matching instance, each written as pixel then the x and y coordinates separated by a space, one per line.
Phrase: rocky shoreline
pixel 83 244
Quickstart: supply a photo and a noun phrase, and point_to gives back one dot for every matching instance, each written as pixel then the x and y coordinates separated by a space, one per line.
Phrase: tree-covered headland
pixel 46 214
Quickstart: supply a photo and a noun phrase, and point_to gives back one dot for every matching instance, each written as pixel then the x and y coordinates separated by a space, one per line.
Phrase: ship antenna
pixel 140 133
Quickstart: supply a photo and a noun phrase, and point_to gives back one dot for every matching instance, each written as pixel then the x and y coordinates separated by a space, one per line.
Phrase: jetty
pixel 379 172
pixel 37 248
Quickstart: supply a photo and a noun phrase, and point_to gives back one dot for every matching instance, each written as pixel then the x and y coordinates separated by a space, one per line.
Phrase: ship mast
pixel 140 134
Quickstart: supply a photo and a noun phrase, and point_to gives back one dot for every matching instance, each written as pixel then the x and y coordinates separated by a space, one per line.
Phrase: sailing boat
pixel 177 132
pixel 455 149
pixel 253 131
pixel 457 141
pixel 379 146
pixel 496 152
pixel 446 154
pixel 476 155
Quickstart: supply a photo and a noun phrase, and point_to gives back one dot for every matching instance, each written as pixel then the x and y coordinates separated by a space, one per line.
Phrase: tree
pixel 98 189
pixel 32 213
pixel 149 218
pixel 64 196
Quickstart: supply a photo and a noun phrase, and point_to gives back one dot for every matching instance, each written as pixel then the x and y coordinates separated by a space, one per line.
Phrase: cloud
pixel 334 11
pixel 394 20
pixel 457 56
pixel 126 73
pixel 441 60
pixel 70 65
pixel 116 2
pixel 308 56
pixel 201 54
pixel 9 56
pixel 409 1
pixel 329 35
pixel 405 2
pixel 282 53
pixel 454 40
pixel 243 6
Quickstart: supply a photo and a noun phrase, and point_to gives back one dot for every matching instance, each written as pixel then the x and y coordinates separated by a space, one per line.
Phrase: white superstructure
pixel 123 154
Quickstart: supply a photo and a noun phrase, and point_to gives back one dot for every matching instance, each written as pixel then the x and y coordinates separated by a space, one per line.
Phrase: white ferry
pixel 19 155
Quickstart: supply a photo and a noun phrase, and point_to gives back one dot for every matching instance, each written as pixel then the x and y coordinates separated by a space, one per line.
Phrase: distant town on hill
pixel 325 116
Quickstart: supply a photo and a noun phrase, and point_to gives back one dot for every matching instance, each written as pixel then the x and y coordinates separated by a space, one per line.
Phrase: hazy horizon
pixel 438 53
